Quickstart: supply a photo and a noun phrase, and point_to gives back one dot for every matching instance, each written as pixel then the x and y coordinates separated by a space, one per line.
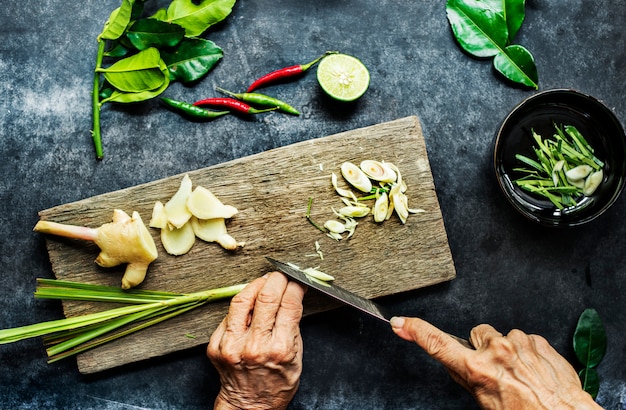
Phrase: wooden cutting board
pixel 271 190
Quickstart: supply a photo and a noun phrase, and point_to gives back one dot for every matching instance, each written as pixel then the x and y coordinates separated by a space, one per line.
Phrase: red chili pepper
pixel 231 104
pixel 285 73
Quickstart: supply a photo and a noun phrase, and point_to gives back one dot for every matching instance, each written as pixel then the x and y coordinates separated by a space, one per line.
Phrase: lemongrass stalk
pixel 65 290
pixel 45 328
pixel 101 330
pixel 95 343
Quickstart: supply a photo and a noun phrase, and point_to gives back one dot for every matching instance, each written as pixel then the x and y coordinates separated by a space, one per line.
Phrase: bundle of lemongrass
pixel 73 335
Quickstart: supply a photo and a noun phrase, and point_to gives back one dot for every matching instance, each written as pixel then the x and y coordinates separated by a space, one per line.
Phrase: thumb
pixel 437 343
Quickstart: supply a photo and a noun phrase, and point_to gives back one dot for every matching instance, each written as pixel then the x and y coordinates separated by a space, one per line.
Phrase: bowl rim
pixel 511 194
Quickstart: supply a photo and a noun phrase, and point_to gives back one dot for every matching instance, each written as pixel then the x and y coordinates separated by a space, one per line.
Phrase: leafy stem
pixel 95 98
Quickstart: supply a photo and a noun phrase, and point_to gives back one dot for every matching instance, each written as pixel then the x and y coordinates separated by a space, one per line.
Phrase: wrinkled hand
pixel 516 371
pixel 257 349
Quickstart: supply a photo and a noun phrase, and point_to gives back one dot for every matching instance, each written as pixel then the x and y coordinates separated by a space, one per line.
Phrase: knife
pixel 343 295
pixel 334 291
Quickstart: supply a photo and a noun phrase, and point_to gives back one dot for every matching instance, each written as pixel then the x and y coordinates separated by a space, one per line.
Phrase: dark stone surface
pixel 511 273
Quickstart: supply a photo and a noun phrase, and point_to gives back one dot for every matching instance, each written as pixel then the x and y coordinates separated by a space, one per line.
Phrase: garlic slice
pixel 176 208
pixel 378 171
pixel 592 182
pixel 178 241
pixel 203 204
pixel 578 173
pixel 356 177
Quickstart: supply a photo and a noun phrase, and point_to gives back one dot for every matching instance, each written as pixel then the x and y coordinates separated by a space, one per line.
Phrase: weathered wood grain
pixel 271 190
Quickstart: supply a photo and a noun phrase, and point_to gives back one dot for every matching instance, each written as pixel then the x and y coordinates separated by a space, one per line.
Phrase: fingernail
pixel 397 322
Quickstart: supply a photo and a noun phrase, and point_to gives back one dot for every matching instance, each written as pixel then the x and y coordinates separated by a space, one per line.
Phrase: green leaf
pixel 517 64
pixel 131 97
pixel 479 29
pixel 118 21
pixel 590 381
pixel 197 18
pixel 117 50
pixel 192 59
pixel 590 339
pixel 513 12
pixel 139 72
pixel 146 33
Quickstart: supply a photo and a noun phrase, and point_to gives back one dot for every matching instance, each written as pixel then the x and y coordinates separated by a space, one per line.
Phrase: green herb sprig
pixel 590 347
pixel 146 53
pixel 548 174
pixel 486 28
pixel 73 335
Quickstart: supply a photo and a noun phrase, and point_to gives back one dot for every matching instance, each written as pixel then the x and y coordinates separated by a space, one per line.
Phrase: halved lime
pixel 343 77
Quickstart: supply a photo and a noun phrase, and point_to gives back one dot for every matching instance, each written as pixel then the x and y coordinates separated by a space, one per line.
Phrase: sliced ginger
pixel 214 230
pixel 204 216
pixel 178 241
pixel 176 208
pixel 124 240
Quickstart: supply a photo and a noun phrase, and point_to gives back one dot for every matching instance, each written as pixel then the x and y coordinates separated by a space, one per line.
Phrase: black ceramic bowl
pixel 597 123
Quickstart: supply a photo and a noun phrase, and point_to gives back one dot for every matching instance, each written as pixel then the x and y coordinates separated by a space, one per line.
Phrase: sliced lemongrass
pixel 341 191
pixel 318 250
pixel 335 236
pixel 400 203
pixel 378 171
pixel 178 241
pixel 334 226
pixel 203 204
pixel 350 226
pixel 558 167
pixel 317 274
pixel 356 177
pixel 354 211
pixel 381 207
pixel 592 182
pixel 176 208
pixel 159 218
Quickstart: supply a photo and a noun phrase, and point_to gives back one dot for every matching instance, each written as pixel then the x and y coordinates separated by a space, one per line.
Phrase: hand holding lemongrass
pixel 257 349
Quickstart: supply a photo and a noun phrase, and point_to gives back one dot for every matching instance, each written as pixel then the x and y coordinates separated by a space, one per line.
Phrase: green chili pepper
pixel 192 111
pixel 261 100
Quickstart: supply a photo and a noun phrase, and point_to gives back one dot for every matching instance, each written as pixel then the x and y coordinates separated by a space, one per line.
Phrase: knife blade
pixel 334 291
pixel 343 295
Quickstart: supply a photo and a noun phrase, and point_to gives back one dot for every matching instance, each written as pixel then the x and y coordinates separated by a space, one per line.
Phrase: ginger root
pixel 124 240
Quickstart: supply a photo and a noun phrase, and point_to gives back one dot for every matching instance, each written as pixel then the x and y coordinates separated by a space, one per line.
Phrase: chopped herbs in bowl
pixel 560 158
